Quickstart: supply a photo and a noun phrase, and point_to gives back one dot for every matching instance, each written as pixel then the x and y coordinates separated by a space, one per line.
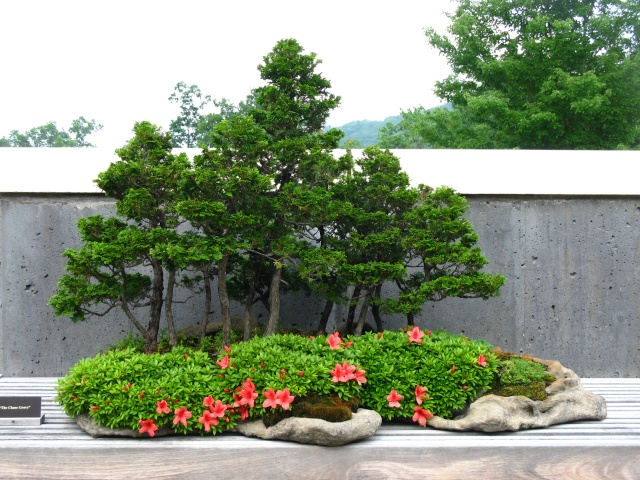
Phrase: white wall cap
pixel 520 172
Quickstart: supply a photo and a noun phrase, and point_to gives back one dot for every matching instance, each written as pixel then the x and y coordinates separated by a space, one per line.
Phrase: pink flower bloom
pixel 224 363
pixel 208 419
pixel 218 409
pixel 227 349
pixel 285 398
pixel 182 415
pixel 343 373
pixel 148 426
pixel 453 369
pixel 421 415
pixel 415 335
pixel 163 407
pixel 482 361
pixel 359 376
pixel 334 341
pixel 394 399
pixel 271 400
pixel 348 344
pixel 208 401
pixel 421 393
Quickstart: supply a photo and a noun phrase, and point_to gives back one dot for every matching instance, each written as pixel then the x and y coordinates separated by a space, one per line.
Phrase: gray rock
pixel 567 402
pixel 363 424
pixel 89 425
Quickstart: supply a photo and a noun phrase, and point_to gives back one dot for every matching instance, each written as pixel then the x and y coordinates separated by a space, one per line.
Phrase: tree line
pixel 266 209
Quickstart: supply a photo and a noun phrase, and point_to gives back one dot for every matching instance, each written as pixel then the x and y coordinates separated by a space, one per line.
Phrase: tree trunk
pixel 353 304
pixel 375 310
pixel 168 310
pixel 363 314
pixel 410 319
pixel 155 307
pixel 274 302
pixel 207 302
pixel 322 326
pixel 248 302
pixel 224 300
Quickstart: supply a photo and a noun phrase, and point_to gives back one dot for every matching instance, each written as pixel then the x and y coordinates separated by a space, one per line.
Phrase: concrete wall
pixel 572 263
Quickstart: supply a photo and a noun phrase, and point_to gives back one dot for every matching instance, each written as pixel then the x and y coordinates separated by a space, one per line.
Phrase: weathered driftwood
pixel 567 402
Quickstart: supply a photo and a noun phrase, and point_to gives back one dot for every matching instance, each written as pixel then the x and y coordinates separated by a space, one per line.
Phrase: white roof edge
pixel 519 172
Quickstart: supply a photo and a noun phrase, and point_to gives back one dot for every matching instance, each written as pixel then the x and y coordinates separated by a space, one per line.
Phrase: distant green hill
pixel 364 133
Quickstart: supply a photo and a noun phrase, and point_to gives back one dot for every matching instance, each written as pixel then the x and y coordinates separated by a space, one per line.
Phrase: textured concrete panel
pixel 572 293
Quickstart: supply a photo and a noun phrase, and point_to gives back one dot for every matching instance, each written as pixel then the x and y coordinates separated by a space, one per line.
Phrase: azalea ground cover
pixel 411 374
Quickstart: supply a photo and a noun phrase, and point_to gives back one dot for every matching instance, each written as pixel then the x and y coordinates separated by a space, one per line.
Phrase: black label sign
pixel 20 407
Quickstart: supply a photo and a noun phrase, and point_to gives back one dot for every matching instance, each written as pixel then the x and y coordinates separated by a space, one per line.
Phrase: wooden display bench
pixel 608 449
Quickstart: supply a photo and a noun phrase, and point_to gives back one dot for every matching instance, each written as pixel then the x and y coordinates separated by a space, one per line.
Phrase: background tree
pixel 537 74
pixel 194 126
pixel 49 135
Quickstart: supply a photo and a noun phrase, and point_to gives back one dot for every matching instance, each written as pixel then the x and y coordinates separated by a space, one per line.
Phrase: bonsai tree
pixel 126 263
pixel 441 255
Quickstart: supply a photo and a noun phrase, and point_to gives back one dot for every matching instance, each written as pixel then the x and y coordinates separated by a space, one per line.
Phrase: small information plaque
pixel 21 411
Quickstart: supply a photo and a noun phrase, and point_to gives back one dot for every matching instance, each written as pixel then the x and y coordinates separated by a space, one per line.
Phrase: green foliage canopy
pixel 49 135
pixel 537 75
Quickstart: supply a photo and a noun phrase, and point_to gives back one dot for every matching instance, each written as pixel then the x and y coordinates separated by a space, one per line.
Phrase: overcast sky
pixel 118 61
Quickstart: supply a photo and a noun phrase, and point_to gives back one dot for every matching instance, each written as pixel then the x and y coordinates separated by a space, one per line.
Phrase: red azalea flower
pixel 224 363
pixel 464 387
pixel 218 409
pixel 208 401
pixel 300 373
pixel 227 349
pixel 162 407
pixel 148 426
pixel 312 337
pixel 244 412
pixel 95 407
pixel 421 415
pixel 380 335
pixel 271 400
pixel 283 372
pixel 359 377
pixel 182 415
pixel 348 344
pixel 186 356
pixel 246 394
pixel 141 395
pixel 394 399
pixel 453 369
pixel 421 393
pixel 415 335
pixel 262 365
pixel 482 361
pixel 208 419
pixel 284 397
pixel 334 341
pixel 73 397
pixel 343 373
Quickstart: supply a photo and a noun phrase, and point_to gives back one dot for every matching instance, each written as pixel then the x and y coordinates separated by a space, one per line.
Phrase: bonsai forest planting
pixel 269 210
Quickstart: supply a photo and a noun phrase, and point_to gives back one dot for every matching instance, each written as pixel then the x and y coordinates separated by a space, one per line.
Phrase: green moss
pixel 521 376
pixel 329 408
